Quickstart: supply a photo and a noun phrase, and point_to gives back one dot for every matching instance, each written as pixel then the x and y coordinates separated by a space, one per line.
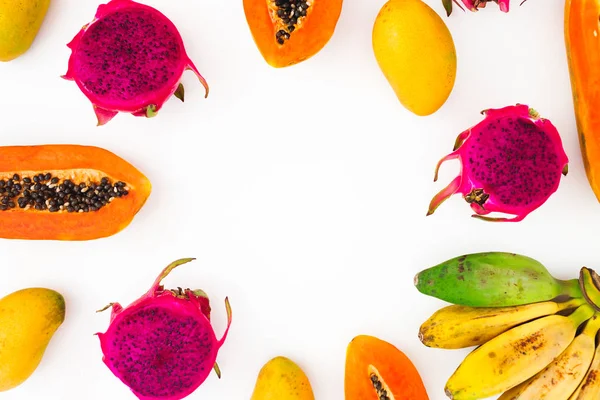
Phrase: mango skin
pixel 20 22
pixel 415 51
pixel 282 379
pixel 28 320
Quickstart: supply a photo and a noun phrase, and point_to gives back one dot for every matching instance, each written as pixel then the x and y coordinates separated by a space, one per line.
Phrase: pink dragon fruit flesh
pixel 511 162
pixel 129 59
pixel 163 346
pixel 474 5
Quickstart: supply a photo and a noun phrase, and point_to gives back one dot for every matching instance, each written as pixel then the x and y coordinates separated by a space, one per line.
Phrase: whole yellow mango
pixel 20 22
pixel 416 53
pixel 28 320
pixel 282 379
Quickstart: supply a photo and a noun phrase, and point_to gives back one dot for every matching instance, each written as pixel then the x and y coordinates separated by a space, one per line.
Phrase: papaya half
pixel 581 32
pixel 375 370
pixel 67 192
pixel 288 32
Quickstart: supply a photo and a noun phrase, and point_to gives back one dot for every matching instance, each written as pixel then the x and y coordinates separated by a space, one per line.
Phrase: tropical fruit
pixel 29 318
pixel 288 32
pixel 377 370
pixel 589 282
pixel 162 346
pixel 511 163
pixel 67 192
pixel 589 387
pixel 415 52
pixel 474 5
pixel 515 356
pixel 20 23
pixel 562 376
pixel 583 55
pixel 457 327
pixel 282 379
pixel 129 59
pixel 493 279
pixel 533 348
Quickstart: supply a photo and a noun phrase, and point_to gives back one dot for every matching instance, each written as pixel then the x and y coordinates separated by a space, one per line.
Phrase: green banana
pixel 515 355
pixel 457 327
pixel 589 281
pixel 563 375
pixel 493 279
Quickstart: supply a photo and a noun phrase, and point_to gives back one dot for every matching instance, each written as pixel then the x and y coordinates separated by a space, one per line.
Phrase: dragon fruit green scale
pixel 162 346
pixel 511 163
pixel 129 59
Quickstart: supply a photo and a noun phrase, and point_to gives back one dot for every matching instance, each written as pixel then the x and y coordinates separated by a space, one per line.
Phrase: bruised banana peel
pixel 515 356
pixel 458 327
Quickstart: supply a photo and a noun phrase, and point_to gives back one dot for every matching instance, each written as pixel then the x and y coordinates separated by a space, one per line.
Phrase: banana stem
pixel 572 303
pixel 582 314
pixel 571 288
pixel 592 327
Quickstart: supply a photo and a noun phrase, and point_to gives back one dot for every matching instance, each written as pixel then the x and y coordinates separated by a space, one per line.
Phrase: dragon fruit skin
pixel 475 5
pixel 129 59
pixel 511 162
pixel 162 346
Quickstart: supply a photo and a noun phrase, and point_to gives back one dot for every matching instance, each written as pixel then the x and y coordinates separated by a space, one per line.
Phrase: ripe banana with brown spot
pixel 589 388
pixel 515 355
pixel 457 327
pixel 563 375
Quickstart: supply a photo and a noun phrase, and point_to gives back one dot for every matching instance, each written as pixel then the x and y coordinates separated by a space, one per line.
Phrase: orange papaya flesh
pixel 582 41
pixel 375 369
pixel 67 192
pixel 288 32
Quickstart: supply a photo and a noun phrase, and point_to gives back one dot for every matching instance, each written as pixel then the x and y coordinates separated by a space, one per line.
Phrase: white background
pixel 301 191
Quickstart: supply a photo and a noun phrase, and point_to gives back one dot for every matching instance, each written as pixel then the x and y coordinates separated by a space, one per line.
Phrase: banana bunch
pixel 535 337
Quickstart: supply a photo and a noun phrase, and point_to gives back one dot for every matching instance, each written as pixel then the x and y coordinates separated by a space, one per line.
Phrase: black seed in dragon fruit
pixel 129 59
pixel 163 346
pixel 511 163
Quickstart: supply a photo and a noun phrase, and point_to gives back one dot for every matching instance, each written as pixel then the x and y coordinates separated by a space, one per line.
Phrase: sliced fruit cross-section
pixel 288 32
pixel 67 192
pixel 377 370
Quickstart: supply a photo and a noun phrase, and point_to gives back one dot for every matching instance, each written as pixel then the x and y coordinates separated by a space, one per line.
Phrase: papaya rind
pixel 109 220
pixel 314 34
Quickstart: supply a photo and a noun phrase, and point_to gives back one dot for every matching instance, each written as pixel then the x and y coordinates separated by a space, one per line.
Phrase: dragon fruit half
pixel 163 346
pixel 130 59
pixel 511 162
pixel 474 5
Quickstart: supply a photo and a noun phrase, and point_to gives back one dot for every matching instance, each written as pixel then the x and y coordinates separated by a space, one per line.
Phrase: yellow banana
pixel 457 327
pixel 589 388
pixel 514 356
pixel 561 377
